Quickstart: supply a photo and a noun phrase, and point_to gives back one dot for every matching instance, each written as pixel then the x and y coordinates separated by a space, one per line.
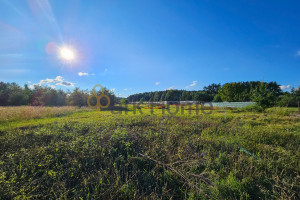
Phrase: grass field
pixel 82 154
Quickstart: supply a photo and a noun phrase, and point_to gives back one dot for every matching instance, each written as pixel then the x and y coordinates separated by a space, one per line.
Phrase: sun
pixel 67 54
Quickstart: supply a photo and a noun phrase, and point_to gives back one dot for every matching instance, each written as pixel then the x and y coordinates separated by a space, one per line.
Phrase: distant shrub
pixel 279 111
pixel 252 108
pixel 288 101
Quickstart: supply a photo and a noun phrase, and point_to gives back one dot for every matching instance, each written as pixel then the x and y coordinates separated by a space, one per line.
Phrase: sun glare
pixel 66 54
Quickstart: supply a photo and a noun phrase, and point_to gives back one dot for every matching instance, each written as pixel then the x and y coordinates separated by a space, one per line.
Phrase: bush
pixel 279 111
pixel 124 101
pixel 288 100
pixel 217 98
pixel 253 108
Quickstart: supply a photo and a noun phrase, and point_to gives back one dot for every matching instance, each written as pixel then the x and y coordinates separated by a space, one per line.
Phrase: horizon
pixel 32 87
pixel 135 47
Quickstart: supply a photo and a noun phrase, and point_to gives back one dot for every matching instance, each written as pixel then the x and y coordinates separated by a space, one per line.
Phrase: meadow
pixel 79 153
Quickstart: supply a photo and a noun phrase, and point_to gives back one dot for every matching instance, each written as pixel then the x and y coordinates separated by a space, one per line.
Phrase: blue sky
pixel 136 46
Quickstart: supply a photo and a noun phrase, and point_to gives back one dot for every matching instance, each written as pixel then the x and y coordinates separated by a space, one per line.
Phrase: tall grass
pixel 101 156
pixel 31 112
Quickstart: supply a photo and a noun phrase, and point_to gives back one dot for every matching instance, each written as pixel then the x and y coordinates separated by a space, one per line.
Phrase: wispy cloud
pixel 284 87
pixel 83 74
pixel 194 83
pixel 157 83
pixel 104 72
pixel 127 89
pixel 171 88
pixel 298 53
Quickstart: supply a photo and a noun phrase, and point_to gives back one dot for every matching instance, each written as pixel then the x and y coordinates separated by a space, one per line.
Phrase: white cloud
pixel 171 88
pixel 83 74
pixel 29 82
pixel 32 86
pixel 112 89
pixel 65 83
pixel 59 80
pixel 48 80
pixel 284 87
pixel 157 83
pixel 194 83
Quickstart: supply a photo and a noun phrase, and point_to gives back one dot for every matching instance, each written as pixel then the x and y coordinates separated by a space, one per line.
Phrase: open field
pixel 32 112
pixel 83 154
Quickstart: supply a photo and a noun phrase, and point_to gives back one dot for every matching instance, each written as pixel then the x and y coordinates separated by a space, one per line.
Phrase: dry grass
pixel 30 112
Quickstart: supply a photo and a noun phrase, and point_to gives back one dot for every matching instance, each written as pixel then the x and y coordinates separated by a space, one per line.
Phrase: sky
pixel 149 45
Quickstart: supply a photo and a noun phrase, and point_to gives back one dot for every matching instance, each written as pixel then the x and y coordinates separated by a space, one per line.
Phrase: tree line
pixel 12 94
pixel 264 93
pixel 177 95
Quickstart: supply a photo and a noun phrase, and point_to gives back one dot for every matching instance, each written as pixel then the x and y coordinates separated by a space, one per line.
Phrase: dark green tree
pixel 262 96
pixel 212 89
pixel 124 101
pixel 163 97
pixel 157 96
pixel 171 95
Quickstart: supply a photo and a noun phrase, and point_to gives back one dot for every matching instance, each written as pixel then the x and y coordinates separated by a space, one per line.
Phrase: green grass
pixel 89 155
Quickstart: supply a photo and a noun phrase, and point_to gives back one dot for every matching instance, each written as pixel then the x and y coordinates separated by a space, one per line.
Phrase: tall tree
pixel 156 96
pixel 171 95
pixel 262 96
pixel 212 88
pixel 163 97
